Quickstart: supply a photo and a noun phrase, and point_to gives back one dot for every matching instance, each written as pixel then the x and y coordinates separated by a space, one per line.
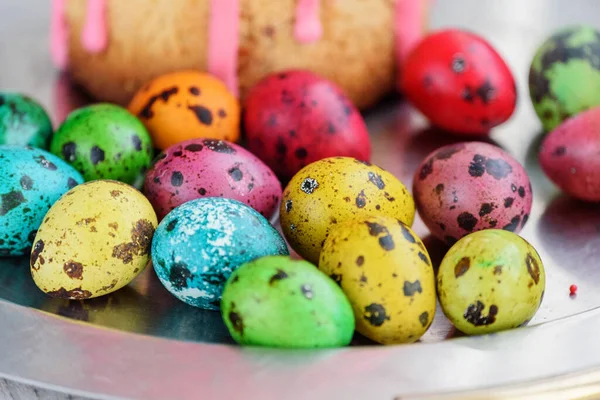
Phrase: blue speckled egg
pixel 200 243
pixel 31 181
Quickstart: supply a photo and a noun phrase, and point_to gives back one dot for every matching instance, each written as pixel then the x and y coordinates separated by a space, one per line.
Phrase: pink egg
pixel 468 187
pixel 570 155
pixel 211 168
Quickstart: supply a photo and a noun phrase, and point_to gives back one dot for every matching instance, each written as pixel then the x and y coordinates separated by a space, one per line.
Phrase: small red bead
pixel 573 289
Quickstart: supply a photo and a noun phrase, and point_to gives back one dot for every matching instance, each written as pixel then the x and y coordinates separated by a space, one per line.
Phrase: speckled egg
pixel 211 168
pixel 333 190
pixel 23 121
pixel 104 141
pixel 569 155
pixel 386 273
pixel 564 77
pixel 200 243
pixel 93 241
pixel 185 105
pixel 466 187
pixel 294 118
pixel 280 302
pixel 32 180
pixel 491 281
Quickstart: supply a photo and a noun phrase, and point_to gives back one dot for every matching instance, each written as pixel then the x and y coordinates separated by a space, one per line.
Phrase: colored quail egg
pixel 459 82
pixel 490 281
pixel 186 105
pixel 23 121
pixel 332 191
pixel 280 302
pixel 211 168
pixel 104 141
pixel 294 118
pixel 569 155
pixel 200 243
pixel 466 187
pixel 32 180
pixel 564 77
pixel 385 270
pixel 93 241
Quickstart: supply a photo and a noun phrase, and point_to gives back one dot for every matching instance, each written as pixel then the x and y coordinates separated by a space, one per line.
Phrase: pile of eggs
pixel 168 180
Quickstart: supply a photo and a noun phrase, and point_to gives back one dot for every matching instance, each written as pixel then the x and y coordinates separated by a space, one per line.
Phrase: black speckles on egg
pixel 406 233
pixel 96 155
pixel 387 243
pixel 411 288
pixel 45 163
pixel 361 199
pixel 288 205
pixel 513 187
pixel 194 147
pixel 513 225
pixel 376 229
pixel 280 147
pixel 376 180
pixel 498 168
pixel 508 202
pixel 11 200
pixel 38 248
pixel 426 169
pixel 477 166
pixel 424 258
pixel 331 129
pixel 202 191
pixel 176 179
pixel 307 291
pixel 137 143
pixel 458 64
pixel 533 268
pixel 462 267
pixel 424 319
pixel 474 315
pixel 194 91
pixel 439 189
pixel 375 314
pixel 360 260
pixel 279 275
pixel 171 225
pixel 301 153
pixel 309 185
pixel 486 208
pixel 235 173
pixel 521 191
pixel 71 183
pixel 525 219
pixel 236 320
pixel 26 182
pixel 219 146
pixel 467 221
pixel 146 112
pixel 203 114
pixel 559 151
pixel 69 151
pixel 179 275
pixel 486 92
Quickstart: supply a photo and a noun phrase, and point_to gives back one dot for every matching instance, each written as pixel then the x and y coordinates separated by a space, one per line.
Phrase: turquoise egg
pixel 199 244
pixel 32 180
pixel 23 121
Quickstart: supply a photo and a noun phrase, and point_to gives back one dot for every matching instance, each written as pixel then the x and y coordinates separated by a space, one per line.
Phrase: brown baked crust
pixel 150 37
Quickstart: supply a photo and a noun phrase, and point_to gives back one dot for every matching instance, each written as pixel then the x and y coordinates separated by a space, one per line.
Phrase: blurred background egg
pixel 23 121
pixel 200 243
pixel 185 105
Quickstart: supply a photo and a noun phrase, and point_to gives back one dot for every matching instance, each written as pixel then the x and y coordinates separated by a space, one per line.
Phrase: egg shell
pixel 280 302
pixel 32 180
pixel 466 187
pixel 335 190
pixel 569 155
pixel 200 243
pixel 385 271
pixel 185 105
pixel 93 241
pixel 294 118
pixel 491 281
pixel 23 121
pixel 211 168
pixel 564 77
pixel 104 141
pixel 459 82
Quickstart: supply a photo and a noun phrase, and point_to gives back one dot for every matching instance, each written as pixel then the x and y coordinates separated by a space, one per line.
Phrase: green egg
pixel 490 281
pixel 23 122
pixel 276 301
pixel 104 141
pixel 564 78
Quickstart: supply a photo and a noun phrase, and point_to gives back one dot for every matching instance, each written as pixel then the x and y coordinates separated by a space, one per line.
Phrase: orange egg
pixel 186 105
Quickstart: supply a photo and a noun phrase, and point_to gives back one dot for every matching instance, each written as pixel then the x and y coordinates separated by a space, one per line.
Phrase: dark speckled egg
pixel 32 180
pixel 23 121
pixel 466 187
pixel 211 168
pixel 199 244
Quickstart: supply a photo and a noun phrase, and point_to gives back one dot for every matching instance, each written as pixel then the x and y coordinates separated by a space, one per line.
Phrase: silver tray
pixel 141 342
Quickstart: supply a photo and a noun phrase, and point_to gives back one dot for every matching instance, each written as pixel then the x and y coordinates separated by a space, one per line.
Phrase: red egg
pixel 570 155
pixel 294 118
pixel 459 82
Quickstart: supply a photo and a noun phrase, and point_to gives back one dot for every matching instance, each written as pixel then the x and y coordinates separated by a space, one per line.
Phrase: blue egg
pixel 200 243
pixel 31 181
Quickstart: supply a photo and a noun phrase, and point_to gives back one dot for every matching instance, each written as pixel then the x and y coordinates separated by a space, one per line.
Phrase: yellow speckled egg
pixel 334 190
pixel 93 241
pixel 385 271
pixel 490 281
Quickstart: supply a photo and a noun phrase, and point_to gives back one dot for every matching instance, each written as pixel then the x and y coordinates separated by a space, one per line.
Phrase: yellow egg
pixel 93 241
pixel 386 273
pixel 334 190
